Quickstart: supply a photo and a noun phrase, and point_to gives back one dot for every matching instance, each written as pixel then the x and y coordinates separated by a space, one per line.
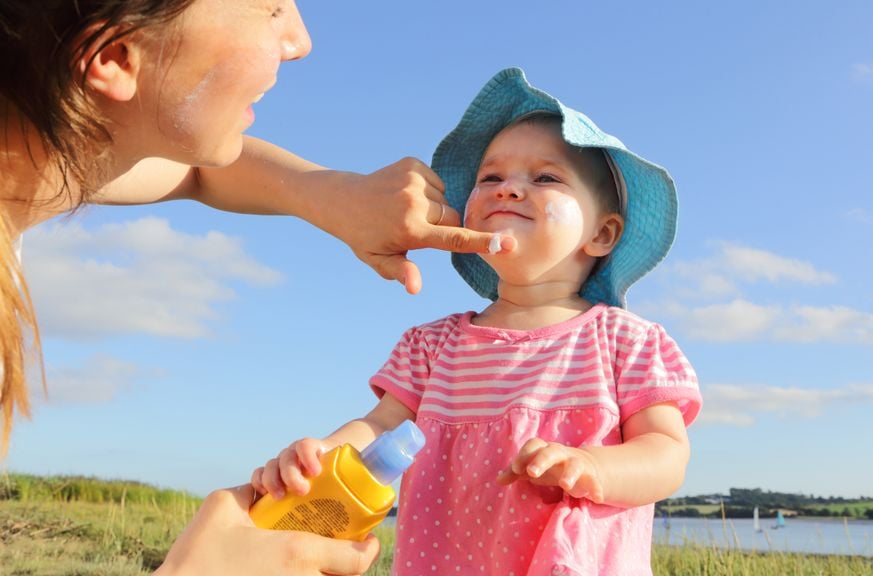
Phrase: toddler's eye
pixel 490 178
pixel 546 179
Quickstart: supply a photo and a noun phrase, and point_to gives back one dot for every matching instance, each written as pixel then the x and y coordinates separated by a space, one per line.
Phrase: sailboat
pixel 780 520
pixel 756 522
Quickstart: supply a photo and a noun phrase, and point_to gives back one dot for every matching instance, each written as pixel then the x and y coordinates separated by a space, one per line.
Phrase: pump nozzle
pixel 389 455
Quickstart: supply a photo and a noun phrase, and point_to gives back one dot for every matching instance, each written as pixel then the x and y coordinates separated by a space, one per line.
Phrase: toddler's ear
pixel 110 70
pixel 610 227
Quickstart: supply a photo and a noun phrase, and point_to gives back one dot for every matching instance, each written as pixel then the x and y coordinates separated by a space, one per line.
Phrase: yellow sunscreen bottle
pixel 352 494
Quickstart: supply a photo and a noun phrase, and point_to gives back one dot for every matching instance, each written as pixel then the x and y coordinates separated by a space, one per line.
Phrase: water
pixel 809 536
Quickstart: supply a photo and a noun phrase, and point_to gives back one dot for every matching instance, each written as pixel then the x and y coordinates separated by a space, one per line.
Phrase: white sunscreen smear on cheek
pixel 494 245
pixel 184 116
pixel 564 211
pixel 474 193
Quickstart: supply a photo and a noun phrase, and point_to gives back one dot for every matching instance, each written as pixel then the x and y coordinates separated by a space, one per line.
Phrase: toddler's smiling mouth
pixel 507 213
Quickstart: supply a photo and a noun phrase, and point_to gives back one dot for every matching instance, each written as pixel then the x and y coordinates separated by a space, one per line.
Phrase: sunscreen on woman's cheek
pixel 352 494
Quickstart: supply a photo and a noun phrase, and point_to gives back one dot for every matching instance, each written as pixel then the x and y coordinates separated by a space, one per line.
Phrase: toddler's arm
pixel 301 459
pixel 648 466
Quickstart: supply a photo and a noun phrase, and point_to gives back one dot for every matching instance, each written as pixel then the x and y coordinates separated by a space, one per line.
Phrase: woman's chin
pixel 223 156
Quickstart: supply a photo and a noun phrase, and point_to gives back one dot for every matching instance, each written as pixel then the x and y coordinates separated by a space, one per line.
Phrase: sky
pixel 185 346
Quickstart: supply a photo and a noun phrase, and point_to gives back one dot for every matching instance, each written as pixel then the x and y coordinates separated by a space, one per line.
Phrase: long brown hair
pixel 41 44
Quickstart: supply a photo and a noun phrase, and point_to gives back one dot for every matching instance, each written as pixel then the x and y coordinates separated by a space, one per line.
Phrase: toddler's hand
pixel 551 464
pixel 291 468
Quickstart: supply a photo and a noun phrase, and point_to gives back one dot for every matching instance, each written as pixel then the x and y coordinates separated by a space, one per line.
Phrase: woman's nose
pixel 296 43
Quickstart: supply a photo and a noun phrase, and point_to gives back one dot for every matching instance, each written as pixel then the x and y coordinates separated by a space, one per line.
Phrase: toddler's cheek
pixel 474 195
pixel 564 211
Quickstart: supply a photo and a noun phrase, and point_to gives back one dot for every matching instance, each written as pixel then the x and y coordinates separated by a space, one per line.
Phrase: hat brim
pixel 650 221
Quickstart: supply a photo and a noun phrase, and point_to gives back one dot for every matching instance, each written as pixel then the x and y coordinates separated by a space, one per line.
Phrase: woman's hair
pixel 41 43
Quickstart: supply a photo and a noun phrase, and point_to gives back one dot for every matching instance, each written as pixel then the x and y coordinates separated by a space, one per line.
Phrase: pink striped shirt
pixel 479 393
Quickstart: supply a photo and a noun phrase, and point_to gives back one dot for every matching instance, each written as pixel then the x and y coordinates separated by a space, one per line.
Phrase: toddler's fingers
pixel 545 459
pixel 290 473
pixel 586 484
pixel 507 476
pixel 272 480
pixel 570 477
pixel 308 453
pixel 256 481
pixel 528 450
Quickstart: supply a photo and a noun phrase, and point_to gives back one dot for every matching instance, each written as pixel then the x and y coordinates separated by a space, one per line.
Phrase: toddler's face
pixel 528 186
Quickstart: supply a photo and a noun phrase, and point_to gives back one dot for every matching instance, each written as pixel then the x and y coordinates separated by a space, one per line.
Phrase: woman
pixel 139 101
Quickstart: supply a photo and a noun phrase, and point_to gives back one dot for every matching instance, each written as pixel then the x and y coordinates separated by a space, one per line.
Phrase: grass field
pixel 127 531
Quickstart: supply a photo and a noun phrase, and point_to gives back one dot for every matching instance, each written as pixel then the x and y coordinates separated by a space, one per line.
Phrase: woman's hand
pixel 222 540
pixel 401 207
pixel 552 464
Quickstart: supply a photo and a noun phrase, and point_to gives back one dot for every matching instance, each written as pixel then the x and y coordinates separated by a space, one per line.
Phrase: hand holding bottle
pixel 352 492
pixel 221 540
pixel 291 469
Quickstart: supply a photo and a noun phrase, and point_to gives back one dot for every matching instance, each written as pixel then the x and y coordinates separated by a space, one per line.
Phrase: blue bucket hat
pixel 649 195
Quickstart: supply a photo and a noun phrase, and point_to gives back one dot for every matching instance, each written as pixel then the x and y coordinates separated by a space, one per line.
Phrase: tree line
pixel 741 503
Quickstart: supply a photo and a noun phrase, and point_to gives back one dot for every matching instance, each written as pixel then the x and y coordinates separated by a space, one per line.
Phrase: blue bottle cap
pixel 389 455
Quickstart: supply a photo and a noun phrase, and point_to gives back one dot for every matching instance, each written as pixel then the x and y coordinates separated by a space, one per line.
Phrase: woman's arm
pixel 380 215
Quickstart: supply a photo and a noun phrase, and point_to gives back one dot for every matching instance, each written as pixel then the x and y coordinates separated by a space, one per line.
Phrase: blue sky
pixel 186 346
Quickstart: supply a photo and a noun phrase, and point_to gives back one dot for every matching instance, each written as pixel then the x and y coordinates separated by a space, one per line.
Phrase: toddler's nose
pixel 509 189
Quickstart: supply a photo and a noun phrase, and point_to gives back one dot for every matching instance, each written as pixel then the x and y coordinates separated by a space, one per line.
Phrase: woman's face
pixel 199 85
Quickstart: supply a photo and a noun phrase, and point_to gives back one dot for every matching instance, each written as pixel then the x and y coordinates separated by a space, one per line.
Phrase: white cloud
pixel 734 405
pixel 828 324
pixel 738 320
pixel 752 265
pixel 98 382
pixel 722 274
pixel 140 276
pixel 741 320
pixel 859 216
pixel 862 72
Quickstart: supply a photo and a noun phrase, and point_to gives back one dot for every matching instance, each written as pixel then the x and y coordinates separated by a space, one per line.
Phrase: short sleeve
pixel 406 371
pixel 650 370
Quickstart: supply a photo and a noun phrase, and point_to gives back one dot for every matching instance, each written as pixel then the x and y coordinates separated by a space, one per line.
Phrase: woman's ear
pixel 610 227
pixel 111 69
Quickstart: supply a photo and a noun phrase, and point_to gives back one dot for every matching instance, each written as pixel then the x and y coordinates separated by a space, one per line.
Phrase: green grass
pixel 51 529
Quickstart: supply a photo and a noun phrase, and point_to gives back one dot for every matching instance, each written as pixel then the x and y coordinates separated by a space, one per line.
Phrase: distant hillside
pixel 28 488
pixel 741 502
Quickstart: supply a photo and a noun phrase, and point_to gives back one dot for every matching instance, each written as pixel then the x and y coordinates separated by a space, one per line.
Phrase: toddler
pixel 554 418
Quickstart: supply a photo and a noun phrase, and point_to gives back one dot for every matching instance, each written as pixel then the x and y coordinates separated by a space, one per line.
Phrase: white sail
pixel 756 522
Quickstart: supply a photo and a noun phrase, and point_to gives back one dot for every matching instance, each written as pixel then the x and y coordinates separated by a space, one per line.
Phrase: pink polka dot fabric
pixel 479 393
